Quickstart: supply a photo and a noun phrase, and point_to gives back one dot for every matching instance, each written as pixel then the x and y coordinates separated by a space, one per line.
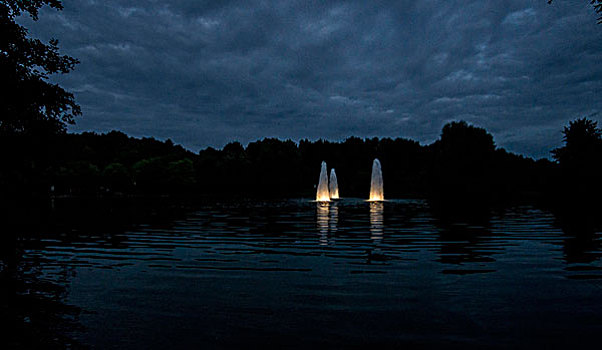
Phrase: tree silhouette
pixel 30 103
pixel 580 160
pixel 461 139
pixel 583 140
pixel 463 160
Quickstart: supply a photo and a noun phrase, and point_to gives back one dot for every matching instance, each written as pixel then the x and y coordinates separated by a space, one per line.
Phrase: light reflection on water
pixel 323 220
pixel 341 273
pixel 376 220
pixel 327 218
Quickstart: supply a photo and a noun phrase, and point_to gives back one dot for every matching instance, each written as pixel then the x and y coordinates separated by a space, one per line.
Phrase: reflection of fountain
pixel 376 220
pixel 334 185
pixel 334 217
pixel 376 184
pixel 322 195
pixel 327 218
pixel 322 219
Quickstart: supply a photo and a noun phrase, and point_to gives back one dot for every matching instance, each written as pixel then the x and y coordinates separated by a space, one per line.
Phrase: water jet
pixel 333 185
pixel 323 195
pixel 376 184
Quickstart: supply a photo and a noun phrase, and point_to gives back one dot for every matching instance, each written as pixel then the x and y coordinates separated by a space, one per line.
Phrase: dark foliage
pixel 92 164
pixel 463 164
pixel 31 105
pixel 463 160
pixel 580 160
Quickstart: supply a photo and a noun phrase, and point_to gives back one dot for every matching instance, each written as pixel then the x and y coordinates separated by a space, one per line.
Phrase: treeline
pixel 463 163
pixel 94 164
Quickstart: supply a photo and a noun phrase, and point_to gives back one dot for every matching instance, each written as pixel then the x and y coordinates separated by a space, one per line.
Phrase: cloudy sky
pixel 205 73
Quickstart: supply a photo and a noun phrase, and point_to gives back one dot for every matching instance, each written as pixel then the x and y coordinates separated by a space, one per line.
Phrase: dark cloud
pixel 208 72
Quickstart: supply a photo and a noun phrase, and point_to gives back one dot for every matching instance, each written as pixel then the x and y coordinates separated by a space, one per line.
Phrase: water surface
pixel 297 273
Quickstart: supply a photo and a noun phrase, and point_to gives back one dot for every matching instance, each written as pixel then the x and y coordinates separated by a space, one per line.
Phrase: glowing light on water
pixel 376 220
pixel 322 221
pixel 376 184
pixel 334 218
pixel 334 185
pixel 322 195
pixel 327 218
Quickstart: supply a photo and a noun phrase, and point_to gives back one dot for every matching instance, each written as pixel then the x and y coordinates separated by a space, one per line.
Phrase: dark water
pixel 297 274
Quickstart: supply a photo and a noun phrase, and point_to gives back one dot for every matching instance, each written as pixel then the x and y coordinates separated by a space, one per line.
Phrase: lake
pixel 298 274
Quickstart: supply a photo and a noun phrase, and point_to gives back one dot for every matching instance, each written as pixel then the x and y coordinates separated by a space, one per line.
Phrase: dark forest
pixel 463 163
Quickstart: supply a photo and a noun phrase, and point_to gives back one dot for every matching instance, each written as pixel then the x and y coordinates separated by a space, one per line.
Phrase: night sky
pixel 205 73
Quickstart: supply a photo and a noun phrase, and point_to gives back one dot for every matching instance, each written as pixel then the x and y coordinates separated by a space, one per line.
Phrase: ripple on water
pixel 346 267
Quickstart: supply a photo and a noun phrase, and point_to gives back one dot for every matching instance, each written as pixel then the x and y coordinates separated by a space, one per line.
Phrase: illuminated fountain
pixel 322 195
pixel 376 184
pixel 334 185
